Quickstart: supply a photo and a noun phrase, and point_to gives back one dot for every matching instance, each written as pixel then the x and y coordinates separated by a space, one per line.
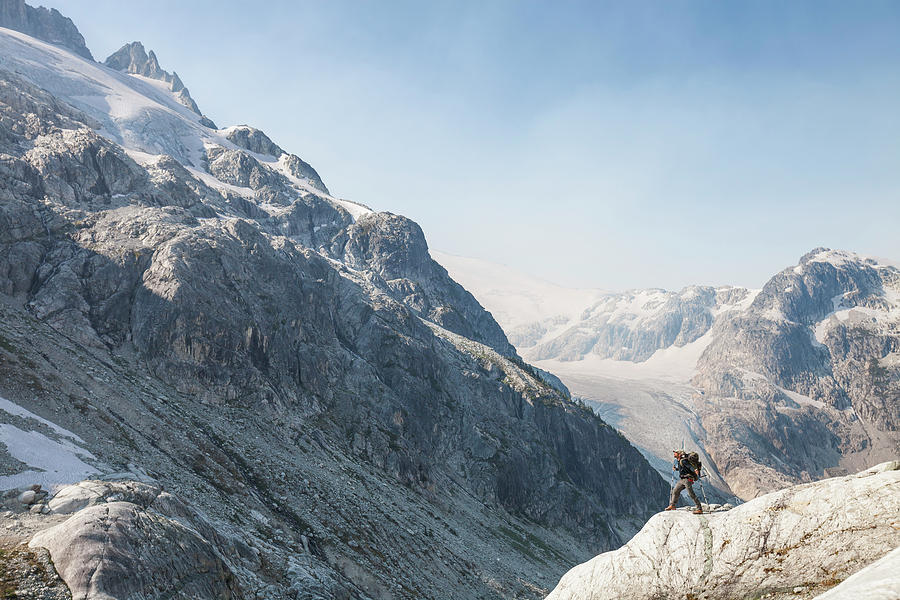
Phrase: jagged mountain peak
pixel 822 281
pixel 253 139
pixel 45 24
pixel 148 119
pixel 841 258
pixel 834 256
pixel 134 59
pixel 256 141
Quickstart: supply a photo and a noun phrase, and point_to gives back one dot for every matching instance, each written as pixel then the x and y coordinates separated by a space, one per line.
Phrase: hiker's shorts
pixel 684 484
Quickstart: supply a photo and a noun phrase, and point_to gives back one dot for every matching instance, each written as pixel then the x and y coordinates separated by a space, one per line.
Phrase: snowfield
pixel 55 456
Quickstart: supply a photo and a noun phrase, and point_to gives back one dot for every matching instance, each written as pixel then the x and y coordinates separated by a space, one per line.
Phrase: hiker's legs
pixel 677 492
pixel 690 490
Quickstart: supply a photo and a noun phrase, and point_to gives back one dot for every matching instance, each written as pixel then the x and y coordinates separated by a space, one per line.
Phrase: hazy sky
pixel 602 144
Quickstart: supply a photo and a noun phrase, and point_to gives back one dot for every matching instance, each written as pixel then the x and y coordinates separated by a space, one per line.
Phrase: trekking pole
pixel 671 484
pixel 703 491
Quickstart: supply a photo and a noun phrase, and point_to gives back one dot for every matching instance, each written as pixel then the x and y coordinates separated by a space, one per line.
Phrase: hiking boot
pixel 698 511
pixel 670 507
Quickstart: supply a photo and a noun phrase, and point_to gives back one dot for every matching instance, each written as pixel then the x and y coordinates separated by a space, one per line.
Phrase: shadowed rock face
pixel 394 247
pixel 299 372
pixel 44 24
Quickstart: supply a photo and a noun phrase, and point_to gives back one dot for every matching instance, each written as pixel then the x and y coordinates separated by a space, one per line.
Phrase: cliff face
pixel 293 365
pixel 808 371
pixel 819 329
pixel 44 24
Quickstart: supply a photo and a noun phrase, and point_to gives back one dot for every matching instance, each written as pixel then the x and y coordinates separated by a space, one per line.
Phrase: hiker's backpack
pixel 693 459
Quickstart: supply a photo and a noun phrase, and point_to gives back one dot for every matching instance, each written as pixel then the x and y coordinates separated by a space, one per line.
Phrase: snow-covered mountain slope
pixel 793 543
pixel 550 322
pixel 635 325
pixel 774 386
pixel 134 60
pixel 146 116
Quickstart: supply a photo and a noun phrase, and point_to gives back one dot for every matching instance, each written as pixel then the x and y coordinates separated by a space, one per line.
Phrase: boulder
pixel 121 550
pixel 73 498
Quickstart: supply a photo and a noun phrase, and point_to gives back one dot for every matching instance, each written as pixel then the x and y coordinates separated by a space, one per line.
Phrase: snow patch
pixel 355 209
pixel 738 306
pixel 838 258
pixel 820 332
pixel 801 399
pixel 18 411
pixel 52 462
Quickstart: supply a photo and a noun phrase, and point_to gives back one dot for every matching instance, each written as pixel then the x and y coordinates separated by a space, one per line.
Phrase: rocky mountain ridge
pixel 813 365
pixel 133 59
pixel 183 308
pixel 633 325
pixel 45 24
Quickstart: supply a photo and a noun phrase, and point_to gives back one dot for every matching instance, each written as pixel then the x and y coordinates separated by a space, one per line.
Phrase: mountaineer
pixel 688 467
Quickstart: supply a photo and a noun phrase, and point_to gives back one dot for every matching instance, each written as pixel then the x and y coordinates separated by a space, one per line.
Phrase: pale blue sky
pixel 601 144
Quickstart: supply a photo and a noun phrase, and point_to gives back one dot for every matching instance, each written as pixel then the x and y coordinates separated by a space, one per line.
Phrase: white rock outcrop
pixel 878 581
pixel 792 543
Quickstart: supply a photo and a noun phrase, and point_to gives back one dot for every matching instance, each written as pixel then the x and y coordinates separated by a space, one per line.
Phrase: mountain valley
pixel 220 379
pixel 776 386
